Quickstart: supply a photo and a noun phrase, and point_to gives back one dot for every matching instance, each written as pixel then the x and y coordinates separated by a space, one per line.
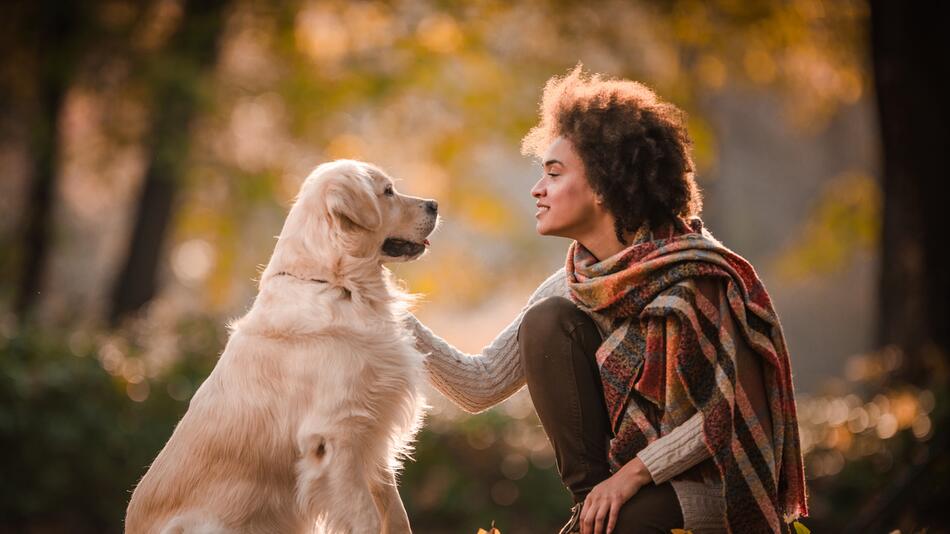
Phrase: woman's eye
pixel 552 175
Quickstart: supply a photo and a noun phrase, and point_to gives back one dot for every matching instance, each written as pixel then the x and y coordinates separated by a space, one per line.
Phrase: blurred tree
pixel 44 41
pixel 175 76
pixel 912 78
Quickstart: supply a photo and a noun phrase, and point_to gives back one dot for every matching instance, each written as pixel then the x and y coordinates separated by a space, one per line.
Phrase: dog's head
pixel 372 218
pixel 351 208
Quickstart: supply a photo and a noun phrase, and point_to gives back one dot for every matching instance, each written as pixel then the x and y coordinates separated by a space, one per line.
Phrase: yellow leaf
pixel 681 531
pixel 482 531
pixel 800 528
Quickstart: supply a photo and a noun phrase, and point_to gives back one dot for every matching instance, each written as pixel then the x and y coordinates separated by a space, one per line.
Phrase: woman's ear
pixel 352 205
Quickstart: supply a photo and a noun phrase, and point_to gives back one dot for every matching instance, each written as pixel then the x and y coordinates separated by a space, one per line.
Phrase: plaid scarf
pixel 664 359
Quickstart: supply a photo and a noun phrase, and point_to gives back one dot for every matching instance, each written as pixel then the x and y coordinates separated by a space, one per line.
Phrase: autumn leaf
pixel 681 531
pixel 493 530
pixel 800 528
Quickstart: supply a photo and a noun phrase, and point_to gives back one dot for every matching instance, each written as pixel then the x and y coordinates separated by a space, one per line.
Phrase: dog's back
pixel 231 447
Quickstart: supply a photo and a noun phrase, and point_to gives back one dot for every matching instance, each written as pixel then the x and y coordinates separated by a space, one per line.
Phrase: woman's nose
pixel 537 189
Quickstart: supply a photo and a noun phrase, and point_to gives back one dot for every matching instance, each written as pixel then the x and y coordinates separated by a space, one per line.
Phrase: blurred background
pixel 149 151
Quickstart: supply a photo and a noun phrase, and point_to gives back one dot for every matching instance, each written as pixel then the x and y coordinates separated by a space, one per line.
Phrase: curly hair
pixel 635 147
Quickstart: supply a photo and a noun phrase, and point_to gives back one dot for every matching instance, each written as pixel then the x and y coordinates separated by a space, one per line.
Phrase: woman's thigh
pixel 655 508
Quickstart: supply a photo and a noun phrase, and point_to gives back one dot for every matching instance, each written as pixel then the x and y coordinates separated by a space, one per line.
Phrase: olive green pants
pixel 558 342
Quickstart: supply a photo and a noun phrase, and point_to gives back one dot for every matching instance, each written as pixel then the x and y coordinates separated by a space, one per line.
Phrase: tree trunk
pixel 54 29
pixel 912 79
pixel 192 51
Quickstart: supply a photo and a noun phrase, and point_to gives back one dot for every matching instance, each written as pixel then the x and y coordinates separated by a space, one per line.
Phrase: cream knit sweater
pixel 478 382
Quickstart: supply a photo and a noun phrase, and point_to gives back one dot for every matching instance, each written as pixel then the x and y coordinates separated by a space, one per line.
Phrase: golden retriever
pixel 304 421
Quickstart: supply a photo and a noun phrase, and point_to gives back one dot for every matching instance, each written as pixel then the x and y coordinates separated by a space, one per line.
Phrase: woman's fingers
pixel 587 524
pixel 588 518
pixel 591 517
pixel 600 512
pixel 599 522
pixel 614 512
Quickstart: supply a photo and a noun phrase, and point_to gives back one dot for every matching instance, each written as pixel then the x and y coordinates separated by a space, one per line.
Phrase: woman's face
pixel 567 206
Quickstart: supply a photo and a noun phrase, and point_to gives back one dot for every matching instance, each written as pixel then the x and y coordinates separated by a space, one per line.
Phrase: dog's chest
pixel 362 364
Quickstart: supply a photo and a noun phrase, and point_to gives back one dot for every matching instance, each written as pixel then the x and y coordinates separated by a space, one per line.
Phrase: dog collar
pixel 304 280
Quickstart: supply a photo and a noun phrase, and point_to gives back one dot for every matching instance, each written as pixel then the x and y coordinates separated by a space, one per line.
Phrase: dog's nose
pixel 432 207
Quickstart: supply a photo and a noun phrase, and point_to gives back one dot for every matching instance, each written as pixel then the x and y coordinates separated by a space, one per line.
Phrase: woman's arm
pixel 478 382
pixel 675 452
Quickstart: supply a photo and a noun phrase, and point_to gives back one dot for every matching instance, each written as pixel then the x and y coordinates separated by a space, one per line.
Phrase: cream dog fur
pixel 303 422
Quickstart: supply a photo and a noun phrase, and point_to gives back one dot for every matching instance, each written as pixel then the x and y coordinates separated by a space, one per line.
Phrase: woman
pixel 654 358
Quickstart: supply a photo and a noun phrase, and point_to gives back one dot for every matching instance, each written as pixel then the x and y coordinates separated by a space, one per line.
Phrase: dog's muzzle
pixel 397 248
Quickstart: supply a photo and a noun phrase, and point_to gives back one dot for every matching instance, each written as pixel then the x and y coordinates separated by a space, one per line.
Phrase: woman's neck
pixel 602 241
pixel 603 244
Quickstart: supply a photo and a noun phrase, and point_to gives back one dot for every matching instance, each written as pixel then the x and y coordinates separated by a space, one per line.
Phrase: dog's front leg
pixel 332 487
pixel 392 514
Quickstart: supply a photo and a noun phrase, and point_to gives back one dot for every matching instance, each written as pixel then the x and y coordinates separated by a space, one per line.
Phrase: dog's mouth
pixel 397 248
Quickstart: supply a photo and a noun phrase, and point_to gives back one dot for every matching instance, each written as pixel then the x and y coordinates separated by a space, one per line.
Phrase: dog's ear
pixel 352 205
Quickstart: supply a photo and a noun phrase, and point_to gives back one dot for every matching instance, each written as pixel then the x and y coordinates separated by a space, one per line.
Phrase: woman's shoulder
pixel 554 285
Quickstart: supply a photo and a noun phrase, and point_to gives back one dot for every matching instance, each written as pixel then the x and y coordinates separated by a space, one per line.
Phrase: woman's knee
pixel 548 316
pixel 549 326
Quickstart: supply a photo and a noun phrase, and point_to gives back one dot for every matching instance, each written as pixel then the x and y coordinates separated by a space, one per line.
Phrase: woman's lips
pixel 541 209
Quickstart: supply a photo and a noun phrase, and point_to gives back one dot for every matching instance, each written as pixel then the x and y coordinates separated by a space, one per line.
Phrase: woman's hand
pixel 603 503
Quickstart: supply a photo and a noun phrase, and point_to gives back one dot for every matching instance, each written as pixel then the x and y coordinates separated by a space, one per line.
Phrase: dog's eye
pixel 389 191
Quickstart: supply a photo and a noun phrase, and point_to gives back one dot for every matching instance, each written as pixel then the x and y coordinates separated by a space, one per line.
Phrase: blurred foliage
pixel 81 436
pixel 875 448
pixel 84 415
pixel 437 93
pixel 470 472
pixel 845 220
pixel 83 418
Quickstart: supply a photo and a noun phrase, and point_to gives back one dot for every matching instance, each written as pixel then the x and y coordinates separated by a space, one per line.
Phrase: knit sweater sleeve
pixel 476 382
pixel 677 451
